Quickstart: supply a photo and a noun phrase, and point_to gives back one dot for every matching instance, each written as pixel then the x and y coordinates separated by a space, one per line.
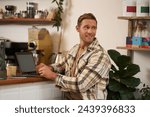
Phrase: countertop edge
pixel 10 81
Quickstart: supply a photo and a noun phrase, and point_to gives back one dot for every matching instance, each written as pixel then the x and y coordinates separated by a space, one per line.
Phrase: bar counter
pixel 10 81
pixel 30 88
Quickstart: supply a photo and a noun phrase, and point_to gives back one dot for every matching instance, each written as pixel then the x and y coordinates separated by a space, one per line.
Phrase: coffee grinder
pixel 39 40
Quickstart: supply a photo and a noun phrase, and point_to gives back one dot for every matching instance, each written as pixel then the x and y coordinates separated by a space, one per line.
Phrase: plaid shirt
pixel 91 72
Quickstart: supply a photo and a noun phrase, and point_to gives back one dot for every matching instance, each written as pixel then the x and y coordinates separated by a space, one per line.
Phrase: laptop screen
pixel 26 62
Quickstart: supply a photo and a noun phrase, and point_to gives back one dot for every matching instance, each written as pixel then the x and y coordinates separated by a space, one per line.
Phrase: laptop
pixel 26 64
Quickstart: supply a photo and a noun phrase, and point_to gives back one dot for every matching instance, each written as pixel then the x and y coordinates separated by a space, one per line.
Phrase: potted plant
pixel 2 68
pixel 122 82
pixel 59 10
pixel 145 92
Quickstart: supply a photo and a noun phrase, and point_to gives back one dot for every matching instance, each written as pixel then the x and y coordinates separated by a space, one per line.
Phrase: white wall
pixel 106 12
pixel 109 27
pixel 111 31
pixel 19 33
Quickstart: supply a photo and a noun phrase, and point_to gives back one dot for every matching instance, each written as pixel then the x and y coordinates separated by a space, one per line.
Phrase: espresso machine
pixel 39 40
pixel 9 48
pixel 7 54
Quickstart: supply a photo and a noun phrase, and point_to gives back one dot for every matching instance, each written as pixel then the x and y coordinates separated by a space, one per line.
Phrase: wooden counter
pixel 10 81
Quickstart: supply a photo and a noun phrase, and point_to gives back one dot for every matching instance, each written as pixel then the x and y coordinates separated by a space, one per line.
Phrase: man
pixel 86 67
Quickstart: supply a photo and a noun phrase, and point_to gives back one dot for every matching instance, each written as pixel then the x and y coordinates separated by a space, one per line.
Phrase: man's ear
pixel 77 28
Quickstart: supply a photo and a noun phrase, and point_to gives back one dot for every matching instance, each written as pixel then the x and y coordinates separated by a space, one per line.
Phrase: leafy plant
pixel 122 84
pixel 2 68
pixel 57 19
pixel 145 92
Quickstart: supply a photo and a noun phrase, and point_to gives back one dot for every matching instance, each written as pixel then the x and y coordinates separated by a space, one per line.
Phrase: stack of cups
pixel 11 70
pixel 129 7
pixel 142 8
pixel 136 8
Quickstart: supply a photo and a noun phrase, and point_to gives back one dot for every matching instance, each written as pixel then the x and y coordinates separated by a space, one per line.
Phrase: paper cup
pixel 11 70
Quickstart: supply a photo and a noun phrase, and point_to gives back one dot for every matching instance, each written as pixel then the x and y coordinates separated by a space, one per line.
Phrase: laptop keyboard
pixel 26 75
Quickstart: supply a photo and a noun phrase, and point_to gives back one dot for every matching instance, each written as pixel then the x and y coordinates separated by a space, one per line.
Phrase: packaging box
pixel 145 42
pixel 136 42
pixel 129 42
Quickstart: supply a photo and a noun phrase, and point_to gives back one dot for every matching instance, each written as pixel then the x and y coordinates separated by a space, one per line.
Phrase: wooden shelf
pixel 135 49
pixel 134 17
pixel 25 21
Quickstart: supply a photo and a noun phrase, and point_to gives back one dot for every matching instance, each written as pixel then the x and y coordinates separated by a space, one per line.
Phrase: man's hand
pixel 46 71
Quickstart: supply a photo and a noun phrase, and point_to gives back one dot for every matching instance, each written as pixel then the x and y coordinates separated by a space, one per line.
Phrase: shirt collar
pixel 94 45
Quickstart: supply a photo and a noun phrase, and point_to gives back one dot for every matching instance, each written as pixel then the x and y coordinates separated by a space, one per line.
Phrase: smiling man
pixel 84 73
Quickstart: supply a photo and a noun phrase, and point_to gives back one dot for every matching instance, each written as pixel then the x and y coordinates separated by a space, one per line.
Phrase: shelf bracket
pixel 131 54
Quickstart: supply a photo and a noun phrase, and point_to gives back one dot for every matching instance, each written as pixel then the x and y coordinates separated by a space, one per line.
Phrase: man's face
pixel 87 30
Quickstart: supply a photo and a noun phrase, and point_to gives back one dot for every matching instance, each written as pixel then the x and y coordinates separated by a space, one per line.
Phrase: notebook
pixel 26 64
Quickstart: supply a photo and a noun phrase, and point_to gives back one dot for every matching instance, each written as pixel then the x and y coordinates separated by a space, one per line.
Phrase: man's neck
pixel 83 45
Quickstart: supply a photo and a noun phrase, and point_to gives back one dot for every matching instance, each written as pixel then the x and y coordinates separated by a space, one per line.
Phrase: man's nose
pixel 90 30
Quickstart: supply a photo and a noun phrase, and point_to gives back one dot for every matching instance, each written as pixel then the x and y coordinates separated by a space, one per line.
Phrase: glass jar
pixel 30 10
pixel 24 14
pixel 38 14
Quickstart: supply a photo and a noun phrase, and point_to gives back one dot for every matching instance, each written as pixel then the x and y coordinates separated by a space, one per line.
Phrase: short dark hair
pixel 86 16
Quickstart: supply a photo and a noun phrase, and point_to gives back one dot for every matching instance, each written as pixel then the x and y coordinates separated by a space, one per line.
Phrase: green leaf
pixel 2 64
pixel 113 95
pixel 114 75
pixel 114 55
pixel 114 85
pixel 127 96
pixel 58 14
pixel 123 61
pixel 131 70
pixel 121 73
pixel 131 82
pixel 111 74
pixel 113 68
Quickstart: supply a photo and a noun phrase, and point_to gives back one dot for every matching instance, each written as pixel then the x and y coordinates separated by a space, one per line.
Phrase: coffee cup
pixel 11 70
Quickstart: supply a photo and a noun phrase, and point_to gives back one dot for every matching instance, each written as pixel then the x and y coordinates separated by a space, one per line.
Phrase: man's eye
pixel 86 27
pixel 94 28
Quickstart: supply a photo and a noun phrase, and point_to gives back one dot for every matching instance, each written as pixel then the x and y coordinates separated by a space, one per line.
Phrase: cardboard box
pixel 145 42
pixel 136 42
pixel 129 42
